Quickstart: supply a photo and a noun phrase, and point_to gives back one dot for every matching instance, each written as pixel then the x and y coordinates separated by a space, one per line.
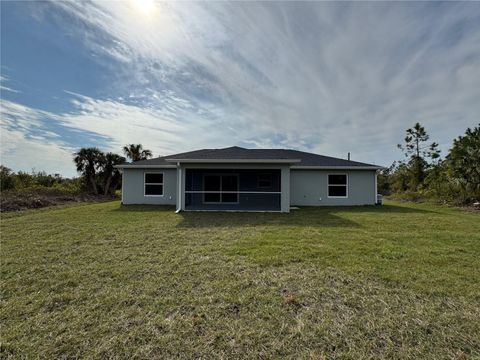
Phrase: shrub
pixel 7 178
pixel 71 186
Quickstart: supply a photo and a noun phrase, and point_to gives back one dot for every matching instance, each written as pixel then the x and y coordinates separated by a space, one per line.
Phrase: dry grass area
pixel 41 197
pixel 104 281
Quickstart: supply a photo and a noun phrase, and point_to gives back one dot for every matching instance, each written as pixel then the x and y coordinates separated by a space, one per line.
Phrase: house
pixel 239 179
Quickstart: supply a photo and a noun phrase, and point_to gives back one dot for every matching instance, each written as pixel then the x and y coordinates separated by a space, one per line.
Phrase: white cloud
pixel 4 79
pixel 22 153
pixel 25 144
pixel 33 138
pixel 330 77
pixel 6 88
pixel 326 77
pixel 126 124
pixel 23 118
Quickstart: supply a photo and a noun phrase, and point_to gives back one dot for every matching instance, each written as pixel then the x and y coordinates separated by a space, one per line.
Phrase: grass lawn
pixel 101 280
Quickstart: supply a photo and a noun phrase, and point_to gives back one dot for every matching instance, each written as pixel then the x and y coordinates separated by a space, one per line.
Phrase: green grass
pixel 101 280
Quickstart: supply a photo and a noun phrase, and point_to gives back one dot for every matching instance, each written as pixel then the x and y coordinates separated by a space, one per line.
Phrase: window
pixel 338 185
pixel 264 181
pixel 220 189
pixel 153 183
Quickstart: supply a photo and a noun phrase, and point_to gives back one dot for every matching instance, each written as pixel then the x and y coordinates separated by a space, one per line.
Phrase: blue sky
pixel 329 78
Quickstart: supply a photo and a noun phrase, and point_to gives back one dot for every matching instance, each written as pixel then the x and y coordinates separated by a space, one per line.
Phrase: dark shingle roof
pixel 238 153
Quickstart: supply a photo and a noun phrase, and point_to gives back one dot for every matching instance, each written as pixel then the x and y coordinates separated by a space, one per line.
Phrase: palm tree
pixel 109 172
pixel 136 152
pixel 88 161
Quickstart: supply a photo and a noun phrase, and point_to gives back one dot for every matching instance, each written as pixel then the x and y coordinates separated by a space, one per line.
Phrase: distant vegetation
pixel 135 152
pixel 424 175
pixel 22 180
pixel 99 179
pixel 24 190
pixel 98 170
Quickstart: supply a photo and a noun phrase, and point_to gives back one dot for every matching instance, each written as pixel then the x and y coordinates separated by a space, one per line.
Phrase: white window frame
pixel 328 186
pixel 145 183
pixel 221 192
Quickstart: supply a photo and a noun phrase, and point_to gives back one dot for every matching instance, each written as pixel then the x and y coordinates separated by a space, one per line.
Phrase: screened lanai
pixel 233 189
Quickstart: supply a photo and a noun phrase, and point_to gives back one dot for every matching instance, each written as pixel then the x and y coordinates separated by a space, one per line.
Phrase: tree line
pixel 98 168
pixel 423 174
pixel 10 180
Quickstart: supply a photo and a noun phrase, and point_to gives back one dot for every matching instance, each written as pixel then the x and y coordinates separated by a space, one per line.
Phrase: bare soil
pixel 18 200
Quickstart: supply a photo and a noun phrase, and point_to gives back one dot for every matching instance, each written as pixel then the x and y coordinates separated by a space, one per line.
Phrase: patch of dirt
pixel 17 200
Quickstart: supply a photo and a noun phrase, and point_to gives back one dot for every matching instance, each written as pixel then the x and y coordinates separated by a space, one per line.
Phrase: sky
pixel 329 78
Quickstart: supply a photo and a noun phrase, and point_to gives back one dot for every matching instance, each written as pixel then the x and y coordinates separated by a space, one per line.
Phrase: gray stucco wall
pixel 309 188
pixel 133 187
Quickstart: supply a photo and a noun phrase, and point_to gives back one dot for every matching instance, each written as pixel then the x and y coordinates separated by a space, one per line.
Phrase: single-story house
pixel 239 179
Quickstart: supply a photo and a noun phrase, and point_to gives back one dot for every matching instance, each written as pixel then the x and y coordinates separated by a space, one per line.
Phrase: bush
pixel 408 195
pixel 73 186
pixel 26 191
pixel 41 196
pixel 7 178
pixel 22 180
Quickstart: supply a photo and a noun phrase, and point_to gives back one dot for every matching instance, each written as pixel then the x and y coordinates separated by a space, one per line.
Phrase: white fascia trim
pixel 235 211
pixel 337 167
pixel 179 189
pixel 145 166
pixel 237 161
pixel 294 167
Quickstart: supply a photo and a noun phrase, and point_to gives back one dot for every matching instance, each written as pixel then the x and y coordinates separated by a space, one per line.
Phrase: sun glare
pixel 144 7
